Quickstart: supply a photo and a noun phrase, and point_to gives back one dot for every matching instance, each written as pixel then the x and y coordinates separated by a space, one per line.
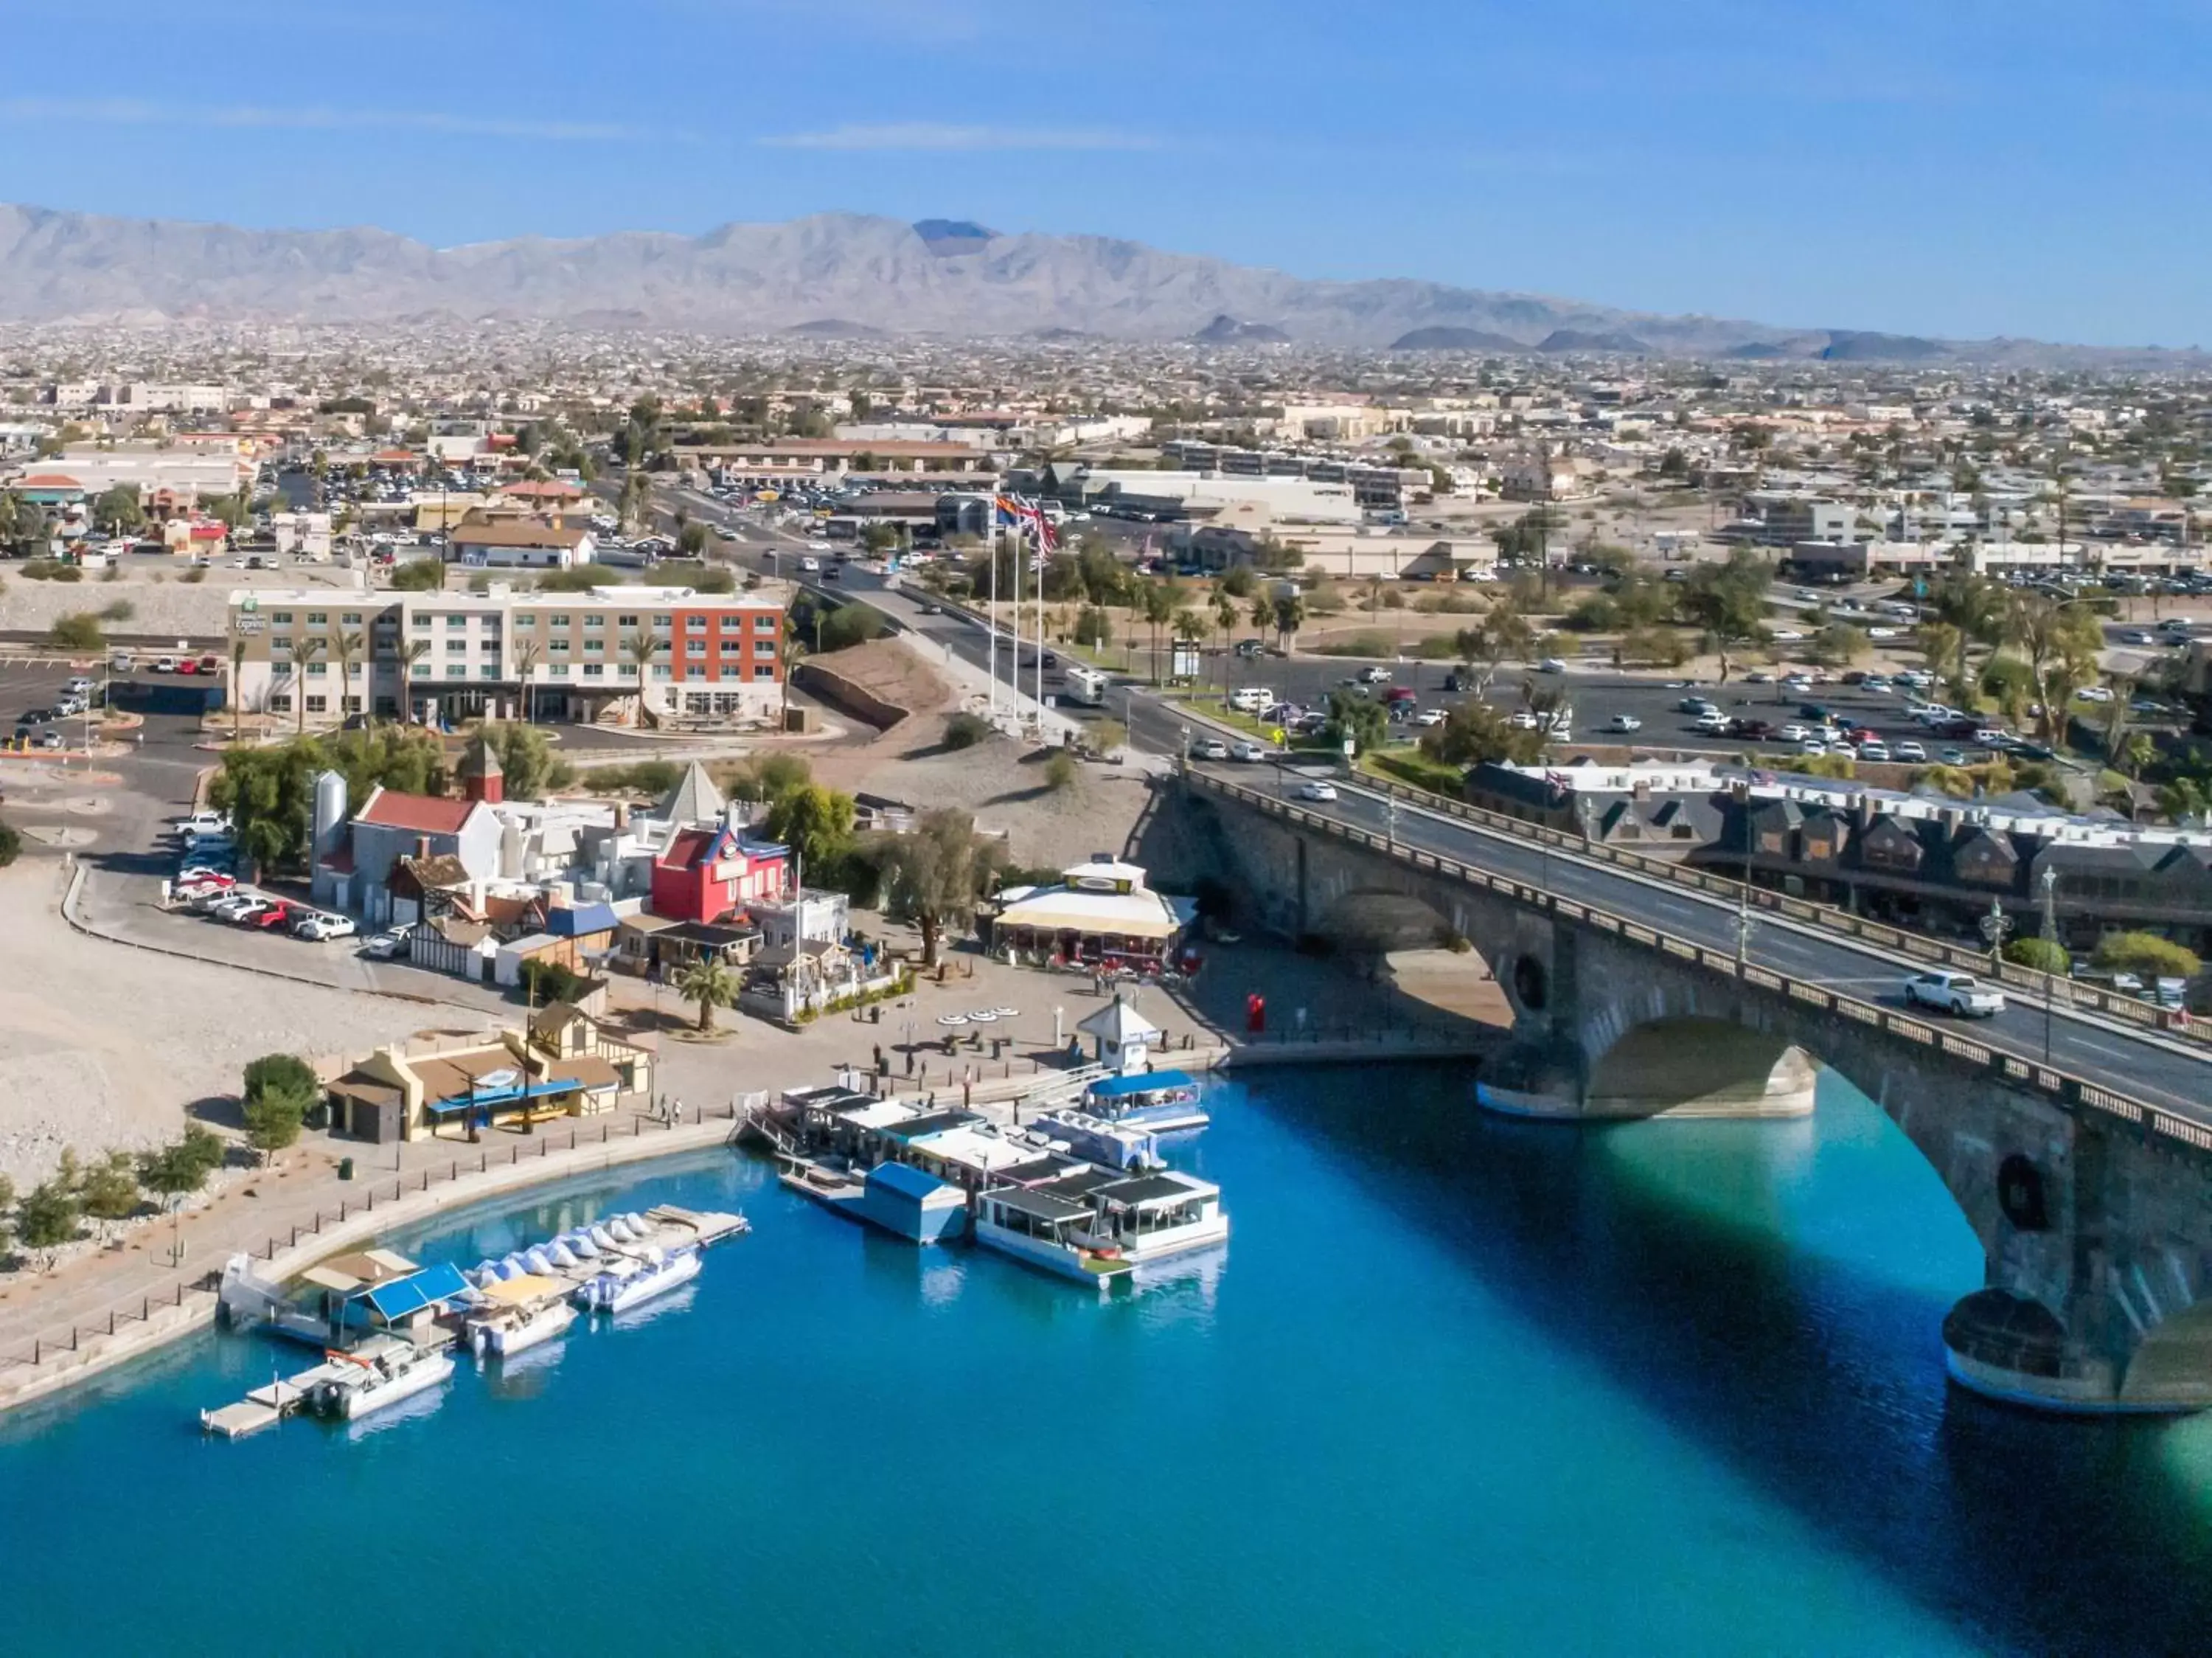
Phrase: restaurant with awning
pixel 1100 914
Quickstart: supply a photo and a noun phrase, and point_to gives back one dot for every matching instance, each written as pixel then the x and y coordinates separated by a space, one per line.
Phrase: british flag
pixel 1018 511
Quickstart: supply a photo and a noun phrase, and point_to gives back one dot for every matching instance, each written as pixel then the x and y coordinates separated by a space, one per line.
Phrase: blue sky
pixel 1954 167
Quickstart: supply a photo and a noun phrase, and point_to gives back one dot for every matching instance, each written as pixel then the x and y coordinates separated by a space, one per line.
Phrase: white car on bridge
pixel 1316 790
pixel 1952 992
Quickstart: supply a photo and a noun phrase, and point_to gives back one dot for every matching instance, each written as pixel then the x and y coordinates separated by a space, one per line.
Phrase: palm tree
pixel 526 664
pixel 346 650
pixel 410 654
pixel 1159 607
pixel 237 703
pixel 1263 615
pixel 1290 615
pixel 708 982
pixel 1190 624
pixel 790 650
pixel 639 648
pixel 303 652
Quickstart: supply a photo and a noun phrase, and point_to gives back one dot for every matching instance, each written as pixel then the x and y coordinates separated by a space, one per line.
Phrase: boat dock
pixel 264 1407
pixel 433 1317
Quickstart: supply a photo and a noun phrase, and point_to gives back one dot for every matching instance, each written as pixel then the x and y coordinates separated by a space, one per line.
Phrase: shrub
pixel 78 631
pixel 577 578
pixel 195 574
pixel 644 777
pixel 1059 770
pixel 419 576
pixel 966 730
pixel 2146 954
pixel 11 845
pixel 1354 644
pixel 2042 954
pixel 548 981
pixel 118 610
pixel 51 570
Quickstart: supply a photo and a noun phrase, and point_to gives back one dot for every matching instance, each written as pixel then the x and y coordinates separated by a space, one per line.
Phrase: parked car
pixel 165 665
pixel 1551 665
pixel 119 662
pixel 1794 732
pixel 1909 750
pixel 79 686
pixel 317 927
pixel 1715 724
pixel 1374 674
pixel 48 739
pixel 1430 716
pixel 229 909
pixel 1874 750
pixel 1945 992
pixel 203 823
pixel 1247 751
pixel 382 947
pixel 1750 730
pixel 275 916
pixel 1624 723
pixel 1316 790
pixel 187 665
pixel 1209 748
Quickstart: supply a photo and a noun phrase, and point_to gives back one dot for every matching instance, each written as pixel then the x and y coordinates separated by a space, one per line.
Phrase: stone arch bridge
pixel 2093 1210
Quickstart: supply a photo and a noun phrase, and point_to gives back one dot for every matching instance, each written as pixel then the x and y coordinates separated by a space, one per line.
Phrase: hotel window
pixel 561 620
pixel 694 647
pixel 280 703
pixel 694 624
pixel 595 621
pixel 694 672
pixel 280 618
pixel 316 670
pixel 420 671
pixel 559 671
pixel 629 621
pixel 350 618
pixel 489 671
pixel 763 671
pixel 316 704
pixel 595 647
pixel 664 620
pixel 595 671
pixel 526 619
pixel 420 620
pixel 661 672
pixel 280 646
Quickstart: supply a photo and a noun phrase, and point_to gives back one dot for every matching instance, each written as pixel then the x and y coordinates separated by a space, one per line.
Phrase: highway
pixel 2158 1070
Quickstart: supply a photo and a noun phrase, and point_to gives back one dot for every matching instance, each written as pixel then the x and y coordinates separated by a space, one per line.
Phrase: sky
pixel 1961 167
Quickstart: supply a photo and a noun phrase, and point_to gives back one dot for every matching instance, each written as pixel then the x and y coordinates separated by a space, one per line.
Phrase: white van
pixel 1252 699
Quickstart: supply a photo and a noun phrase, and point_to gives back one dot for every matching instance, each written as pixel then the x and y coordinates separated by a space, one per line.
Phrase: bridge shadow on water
pixel 1809 1375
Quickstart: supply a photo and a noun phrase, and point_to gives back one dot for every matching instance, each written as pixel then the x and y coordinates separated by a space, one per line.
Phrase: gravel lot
pixel 103 1047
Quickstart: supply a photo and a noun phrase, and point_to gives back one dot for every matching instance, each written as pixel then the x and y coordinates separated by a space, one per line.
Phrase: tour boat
pixel 1097 1227
pixel 1159 1101
pixel 1116 1145
pixel 376 1376
pixel 516 1314
pixel 631 1280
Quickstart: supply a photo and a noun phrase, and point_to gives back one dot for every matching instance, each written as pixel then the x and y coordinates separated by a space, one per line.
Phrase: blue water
pixel 1458 1384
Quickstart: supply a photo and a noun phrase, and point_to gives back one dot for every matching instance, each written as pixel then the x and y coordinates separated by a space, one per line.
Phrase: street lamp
pixel 1995 926
pixel 2050 883
pixel 1743 888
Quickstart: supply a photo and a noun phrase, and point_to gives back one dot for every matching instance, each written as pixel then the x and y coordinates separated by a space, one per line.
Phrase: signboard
pixel 1183 660
pixel 250 624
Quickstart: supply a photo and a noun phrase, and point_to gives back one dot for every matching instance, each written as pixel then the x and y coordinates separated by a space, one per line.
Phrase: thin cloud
pixel 943 137
pixel 131 112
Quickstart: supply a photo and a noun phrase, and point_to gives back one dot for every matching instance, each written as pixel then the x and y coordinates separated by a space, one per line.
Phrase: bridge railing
pixel 2067 991
pixel 2020 1070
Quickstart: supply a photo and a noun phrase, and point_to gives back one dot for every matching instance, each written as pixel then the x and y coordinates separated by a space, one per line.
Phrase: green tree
pixel 11 844
pixel 117 511
pixel 965 730
pixel 181 1168
pixel 1359 719
pixel 1289 615
pixel 47 1217
pixel 2145 954
pixel 937 873
pixel 816 822
pixel 1060 771
pixel 277 1092
pixel 2044 955
pixel 526 760
pixel 78 631
pixel 304 651
pixel 1477 732
pixel 418 576
pixel 1729 601
pixel 109 1189
pixel 691 540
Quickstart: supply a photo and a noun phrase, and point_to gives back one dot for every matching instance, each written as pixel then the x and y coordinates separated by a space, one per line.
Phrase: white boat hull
pixel 645 1286
pixel 1208 1233
pixel 505 1340
pixel 419 1378
pixel 1061 1259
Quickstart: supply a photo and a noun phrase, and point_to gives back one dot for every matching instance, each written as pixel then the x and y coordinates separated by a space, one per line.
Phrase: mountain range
pixel 847 274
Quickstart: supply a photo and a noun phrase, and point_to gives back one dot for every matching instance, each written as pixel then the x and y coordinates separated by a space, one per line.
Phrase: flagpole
pixel 993 669
pixel 1014 640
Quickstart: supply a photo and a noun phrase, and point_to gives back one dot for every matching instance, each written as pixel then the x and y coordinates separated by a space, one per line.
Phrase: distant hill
pixel 1455 339
pixel 1227 331
pixel 842 275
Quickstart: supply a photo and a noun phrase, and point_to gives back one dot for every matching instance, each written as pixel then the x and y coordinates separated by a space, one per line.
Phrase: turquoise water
pixel 1458 1384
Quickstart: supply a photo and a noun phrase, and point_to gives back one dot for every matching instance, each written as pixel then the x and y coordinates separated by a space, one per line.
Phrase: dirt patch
pixel 1003 782
pixel 889 671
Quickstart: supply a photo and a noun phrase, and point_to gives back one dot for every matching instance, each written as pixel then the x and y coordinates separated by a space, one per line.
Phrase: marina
pixel 386 1324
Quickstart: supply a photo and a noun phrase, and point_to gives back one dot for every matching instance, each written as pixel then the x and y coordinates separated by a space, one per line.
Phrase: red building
pixel 704 874
pixel 724 658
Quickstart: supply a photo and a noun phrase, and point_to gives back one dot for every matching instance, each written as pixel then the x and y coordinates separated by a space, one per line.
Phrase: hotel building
pixel 440 657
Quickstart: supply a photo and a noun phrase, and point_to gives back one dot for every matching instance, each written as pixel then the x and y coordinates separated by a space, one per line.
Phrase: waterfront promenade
pixel 102 1305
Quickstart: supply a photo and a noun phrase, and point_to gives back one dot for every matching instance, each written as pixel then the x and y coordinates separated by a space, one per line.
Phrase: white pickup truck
pixel 1952 992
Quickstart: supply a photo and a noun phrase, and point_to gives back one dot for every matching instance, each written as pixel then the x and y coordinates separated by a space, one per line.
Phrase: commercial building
pixel 637 654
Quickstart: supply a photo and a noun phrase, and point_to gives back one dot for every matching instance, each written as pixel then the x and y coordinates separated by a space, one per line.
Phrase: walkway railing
pixel 2016 1070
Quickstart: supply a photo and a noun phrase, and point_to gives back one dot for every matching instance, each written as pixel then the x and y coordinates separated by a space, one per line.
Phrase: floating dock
pixel 264 1407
